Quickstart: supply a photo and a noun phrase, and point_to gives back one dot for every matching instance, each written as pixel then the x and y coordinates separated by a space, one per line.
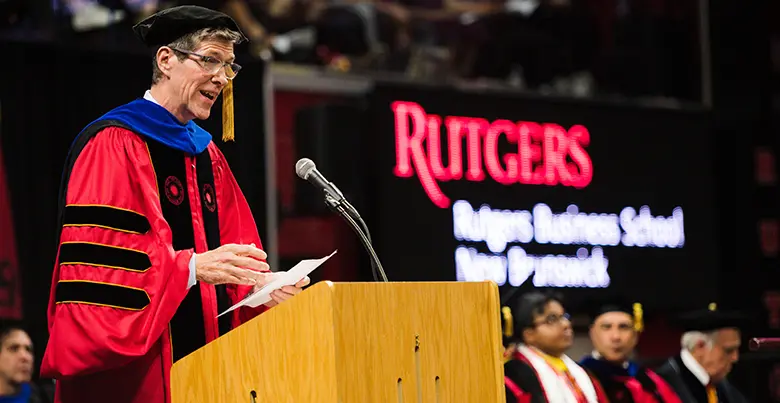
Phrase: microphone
pixel 307 170
pixel 335 200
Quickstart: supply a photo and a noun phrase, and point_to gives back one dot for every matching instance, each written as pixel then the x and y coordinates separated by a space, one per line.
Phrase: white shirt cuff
pixel 192 280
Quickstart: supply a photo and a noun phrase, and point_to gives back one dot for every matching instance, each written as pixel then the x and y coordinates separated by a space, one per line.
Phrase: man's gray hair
pixel 191 41
pixel 690 340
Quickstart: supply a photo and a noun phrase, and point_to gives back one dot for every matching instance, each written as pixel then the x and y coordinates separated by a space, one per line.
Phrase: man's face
pixel 613 336
pixel 552 331
pixel 16 357
pixel 719 359
pixel 196 89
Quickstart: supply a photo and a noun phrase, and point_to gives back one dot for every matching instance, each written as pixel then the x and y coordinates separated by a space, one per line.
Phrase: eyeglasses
pixel 212 65
pixel 553 319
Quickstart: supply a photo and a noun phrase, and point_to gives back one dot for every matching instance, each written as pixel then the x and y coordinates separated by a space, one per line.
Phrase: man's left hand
pixel 287 292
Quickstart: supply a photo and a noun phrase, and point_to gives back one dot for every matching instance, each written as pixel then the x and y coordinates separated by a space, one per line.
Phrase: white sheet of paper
pixel 280 279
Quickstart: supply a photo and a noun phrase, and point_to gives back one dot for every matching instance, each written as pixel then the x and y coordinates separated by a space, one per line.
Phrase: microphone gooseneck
pixel 306 169
pixel 376 265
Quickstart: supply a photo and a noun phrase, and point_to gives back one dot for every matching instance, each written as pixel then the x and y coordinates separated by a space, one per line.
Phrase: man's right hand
pixel 231 264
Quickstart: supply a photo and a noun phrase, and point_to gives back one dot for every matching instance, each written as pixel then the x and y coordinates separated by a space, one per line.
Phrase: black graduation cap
pixel 634 309
pixel 172 23
pixel 711 319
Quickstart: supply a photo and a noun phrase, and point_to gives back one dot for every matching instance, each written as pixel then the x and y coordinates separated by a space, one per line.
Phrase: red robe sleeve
pixel 514 394
pixel 601 394
pixel 117 281
pixel 236 225
pixel 666 391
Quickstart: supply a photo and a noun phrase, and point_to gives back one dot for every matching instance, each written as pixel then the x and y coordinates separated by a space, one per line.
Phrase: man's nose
pixel 220 78
pixel 565 323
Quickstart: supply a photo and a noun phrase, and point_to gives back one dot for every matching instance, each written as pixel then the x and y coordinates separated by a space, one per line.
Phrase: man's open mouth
pixel 208 94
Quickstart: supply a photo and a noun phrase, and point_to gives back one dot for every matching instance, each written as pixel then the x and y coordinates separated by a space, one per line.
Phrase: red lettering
pixel 433 125
pixel 406 145
pixel 492 160
pixel 581 170
pixel 556 144
pixel 474 129
pixel 530 134
pixel 403 141
pixel 546 154
pixel 454 139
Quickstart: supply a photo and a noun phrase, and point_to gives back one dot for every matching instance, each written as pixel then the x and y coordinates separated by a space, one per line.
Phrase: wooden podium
pixel 357 343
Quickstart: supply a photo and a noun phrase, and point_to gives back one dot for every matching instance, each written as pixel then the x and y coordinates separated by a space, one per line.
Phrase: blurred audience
pixel 88 15
pixel 548 44
pixel 581 48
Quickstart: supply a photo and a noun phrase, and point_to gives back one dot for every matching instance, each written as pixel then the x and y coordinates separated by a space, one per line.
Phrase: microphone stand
pixel 764 344
pixel 365 237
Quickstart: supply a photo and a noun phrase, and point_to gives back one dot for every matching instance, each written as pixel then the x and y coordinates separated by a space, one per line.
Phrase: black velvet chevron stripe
pixel 210 211
pixel 92 254
pixel 106 217
pixel 188 326
pixel 101 294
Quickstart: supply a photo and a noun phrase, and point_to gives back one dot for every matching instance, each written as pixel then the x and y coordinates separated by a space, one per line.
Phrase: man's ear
pixel 637 335
pixel 164 57
pixel 528 334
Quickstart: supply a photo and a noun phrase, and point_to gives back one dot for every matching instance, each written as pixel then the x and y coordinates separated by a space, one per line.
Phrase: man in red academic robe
pixel 614 332
pixel 156 236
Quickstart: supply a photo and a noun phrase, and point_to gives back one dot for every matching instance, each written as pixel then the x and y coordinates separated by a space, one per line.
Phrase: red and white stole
pixel 556 385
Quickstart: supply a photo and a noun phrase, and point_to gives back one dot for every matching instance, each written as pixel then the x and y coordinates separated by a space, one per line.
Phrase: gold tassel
pixel 639 323
pixel 506 313
pixel 228 125
pixel 713 306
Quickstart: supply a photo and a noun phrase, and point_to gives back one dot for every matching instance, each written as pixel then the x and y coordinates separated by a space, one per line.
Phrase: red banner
pixel 10 289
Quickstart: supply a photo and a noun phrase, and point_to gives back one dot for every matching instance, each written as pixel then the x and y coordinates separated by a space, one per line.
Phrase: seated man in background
pixel 16 367
pixel 614 333
pixel 540 370
pixel 710 347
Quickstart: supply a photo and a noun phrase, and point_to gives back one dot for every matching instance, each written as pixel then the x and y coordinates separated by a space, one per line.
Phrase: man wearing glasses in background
pixel 156 236
pixel 541 371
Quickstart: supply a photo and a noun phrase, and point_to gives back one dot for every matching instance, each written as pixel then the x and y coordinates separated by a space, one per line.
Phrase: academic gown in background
pixel 141 194
pixel 521 383
pixel 690 389
pixel 629 384
pixel 25 395
pixel 528 379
